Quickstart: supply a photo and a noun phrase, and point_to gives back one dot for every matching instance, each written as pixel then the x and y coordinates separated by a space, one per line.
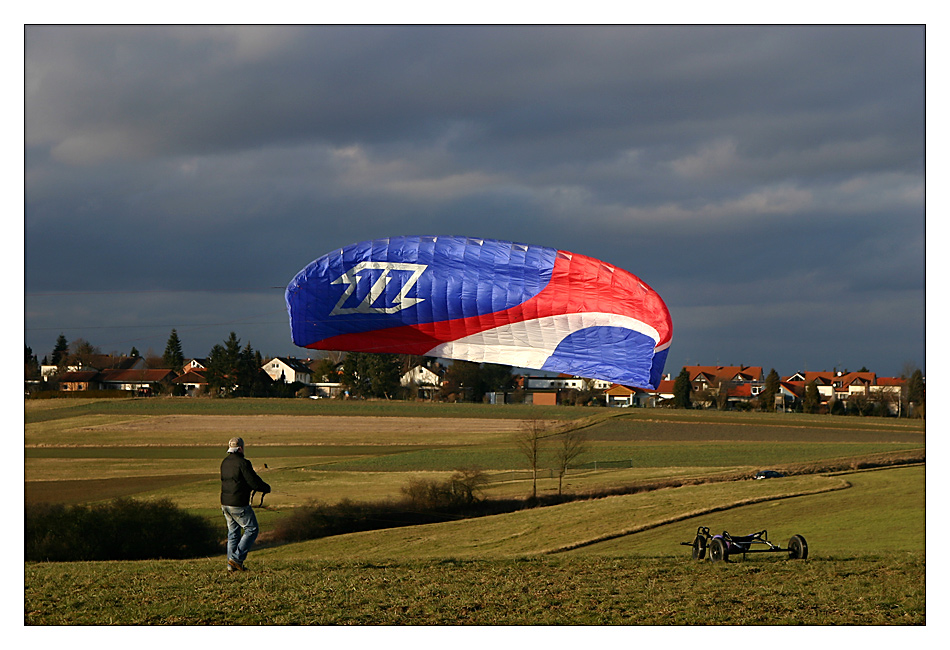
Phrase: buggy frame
pixel 721 546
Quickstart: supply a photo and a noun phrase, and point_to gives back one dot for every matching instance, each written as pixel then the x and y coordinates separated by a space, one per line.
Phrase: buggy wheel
pixel 699 547
pixel 717 550
pixel 797 548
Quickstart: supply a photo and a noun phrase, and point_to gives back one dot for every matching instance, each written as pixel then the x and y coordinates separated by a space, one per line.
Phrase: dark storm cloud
pixel 768 182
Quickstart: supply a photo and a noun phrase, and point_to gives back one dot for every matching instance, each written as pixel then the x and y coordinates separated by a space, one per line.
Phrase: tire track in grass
pixel 844 485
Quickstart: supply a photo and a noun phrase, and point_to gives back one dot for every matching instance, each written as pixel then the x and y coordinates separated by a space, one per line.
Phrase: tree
pixel 773 384
pixel 60 352
pixel 573 443
pixel 463 378
pixel 529 437
pixel 325 370
pixel 812 400
pixel 32 365
pixel 682 388
pixel 223 366
pixel 81 352
pixel 722 393
pixel 472 380
pixel 495 377
pixel 916 393
pixel 173 357
pixel 367 374
pixel 252 381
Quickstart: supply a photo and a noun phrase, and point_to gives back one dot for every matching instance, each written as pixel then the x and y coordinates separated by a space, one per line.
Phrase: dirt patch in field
pixel 309 423
pixel 263 430
pixel 85 490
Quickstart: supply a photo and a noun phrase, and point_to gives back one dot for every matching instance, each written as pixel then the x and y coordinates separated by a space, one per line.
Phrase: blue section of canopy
pixel 623 355
pixel 462 277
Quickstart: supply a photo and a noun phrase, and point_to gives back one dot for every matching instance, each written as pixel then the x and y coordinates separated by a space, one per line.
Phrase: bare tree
pixel 573 443
pixel 529 440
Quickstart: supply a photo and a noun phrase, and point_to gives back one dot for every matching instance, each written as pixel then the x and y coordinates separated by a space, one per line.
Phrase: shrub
pixel 123 529
pixel 424 502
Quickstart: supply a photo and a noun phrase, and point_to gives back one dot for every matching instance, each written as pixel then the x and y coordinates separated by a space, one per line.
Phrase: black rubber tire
pixel 699 547
pixel 717 550
pixel 797 548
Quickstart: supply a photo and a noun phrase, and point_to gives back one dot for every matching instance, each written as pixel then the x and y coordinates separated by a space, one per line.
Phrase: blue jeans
pixel 239 517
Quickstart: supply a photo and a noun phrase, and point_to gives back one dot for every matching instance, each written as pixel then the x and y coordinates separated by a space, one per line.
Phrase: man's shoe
pixel 234 565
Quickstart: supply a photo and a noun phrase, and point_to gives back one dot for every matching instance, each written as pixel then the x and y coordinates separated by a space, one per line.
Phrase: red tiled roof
pixel 726 373
pixel 191 377
pixel 891 381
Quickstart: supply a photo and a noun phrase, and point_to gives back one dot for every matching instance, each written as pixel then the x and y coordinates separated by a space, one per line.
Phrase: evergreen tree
pixel 916 393
pixel 252 381
pixel 682 388
pixel 773 384
pixel 812 401
pixel 60 351
pixel 173 357
pixel 223 367
pixel 383 375
pixel 365 374
pixel 32 365
pixel 496 377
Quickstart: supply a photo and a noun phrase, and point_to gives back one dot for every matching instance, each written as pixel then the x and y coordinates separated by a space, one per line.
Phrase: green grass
pixel 883 512
pixel 607 561
pixel 551 529
pixel 865 590
pixel 493 571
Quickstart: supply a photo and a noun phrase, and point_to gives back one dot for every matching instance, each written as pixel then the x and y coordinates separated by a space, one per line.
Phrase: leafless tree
pixel 529 439
pixel 573 443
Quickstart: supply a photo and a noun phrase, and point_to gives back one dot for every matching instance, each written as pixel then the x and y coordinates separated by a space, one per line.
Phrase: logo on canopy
pixel 377 290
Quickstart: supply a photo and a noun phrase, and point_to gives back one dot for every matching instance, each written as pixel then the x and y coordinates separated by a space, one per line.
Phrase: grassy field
pixel 865 590
pixel 539 568
pixel 614 560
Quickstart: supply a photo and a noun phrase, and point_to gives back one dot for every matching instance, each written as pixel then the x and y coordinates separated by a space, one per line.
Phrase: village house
pixel 424 382
pixel 141 381
pixel 193 382
pixel 846 388
pixel 288 370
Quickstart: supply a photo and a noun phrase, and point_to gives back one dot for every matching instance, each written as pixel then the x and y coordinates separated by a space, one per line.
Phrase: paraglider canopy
pixel 483 300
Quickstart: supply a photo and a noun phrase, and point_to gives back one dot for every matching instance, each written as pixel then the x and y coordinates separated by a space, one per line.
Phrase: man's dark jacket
pixel 238 480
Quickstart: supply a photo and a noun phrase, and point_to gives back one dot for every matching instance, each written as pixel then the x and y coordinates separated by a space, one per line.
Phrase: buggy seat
pixel 743 542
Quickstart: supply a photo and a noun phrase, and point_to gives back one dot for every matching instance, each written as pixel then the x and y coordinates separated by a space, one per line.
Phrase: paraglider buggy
pixel 719 547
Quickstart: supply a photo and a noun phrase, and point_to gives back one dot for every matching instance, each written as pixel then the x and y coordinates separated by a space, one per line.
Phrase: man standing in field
pixel 238 480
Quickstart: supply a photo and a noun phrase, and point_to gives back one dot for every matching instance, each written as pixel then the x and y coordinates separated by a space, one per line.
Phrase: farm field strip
pixel 550 529
pixel 118 449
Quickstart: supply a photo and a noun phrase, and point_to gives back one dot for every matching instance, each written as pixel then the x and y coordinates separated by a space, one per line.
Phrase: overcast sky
pixel 768 182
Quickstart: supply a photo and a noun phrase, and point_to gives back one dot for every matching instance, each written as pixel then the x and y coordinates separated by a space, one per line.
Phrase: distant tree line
pixel 236 371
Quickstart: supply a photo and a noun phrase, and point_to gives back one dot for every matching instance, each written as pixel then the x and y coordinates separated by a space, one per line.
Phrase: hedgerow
pixel 123 529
